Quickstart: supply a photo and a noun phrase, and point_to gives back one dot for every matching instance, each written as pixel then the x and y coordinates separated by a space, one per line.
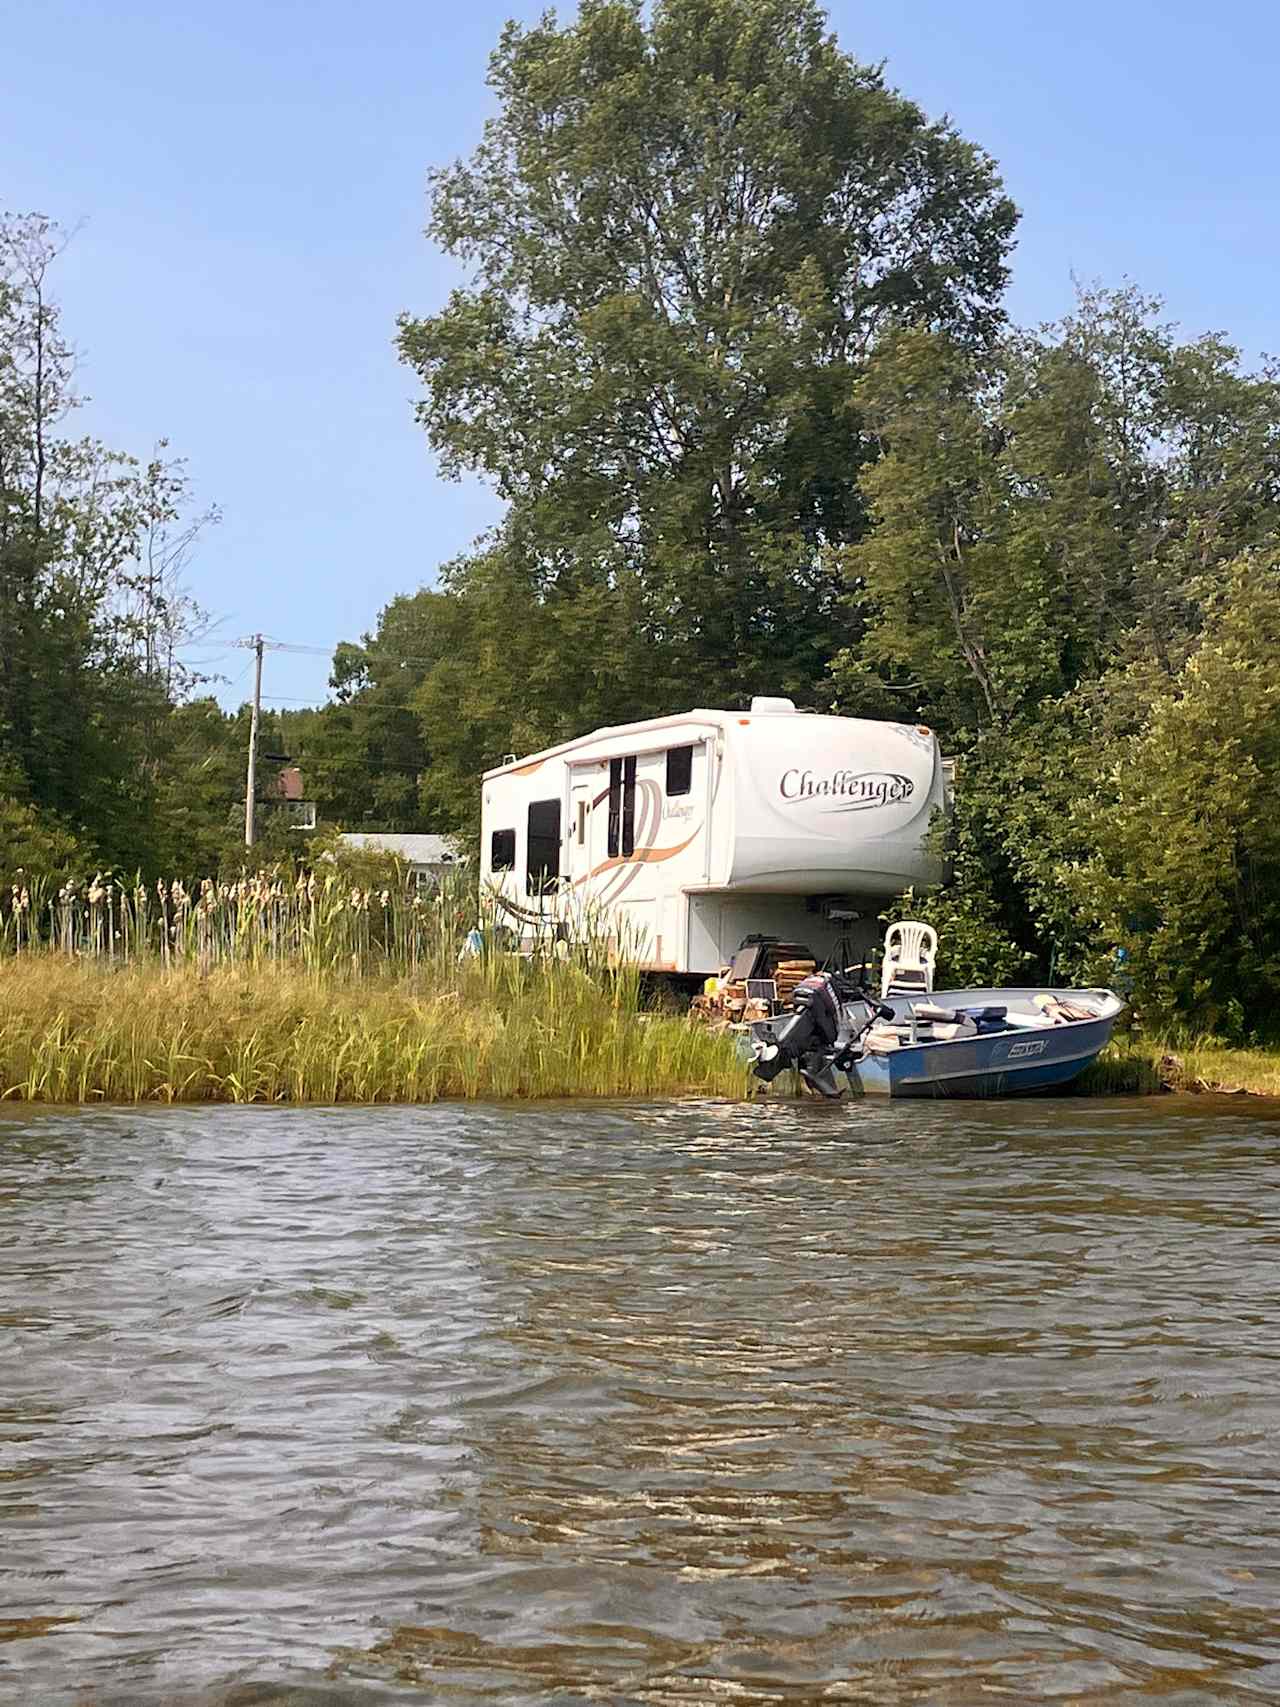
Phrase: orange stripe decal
pixel 642 856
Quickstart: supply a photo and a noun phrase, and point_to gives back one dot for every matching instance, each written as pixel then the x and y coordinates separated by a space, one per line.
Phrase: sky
pixel 246 183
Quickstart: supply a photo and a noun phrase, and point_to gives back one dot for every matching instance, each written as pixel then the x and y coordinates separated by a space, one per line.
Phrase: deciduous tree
pixel 686 234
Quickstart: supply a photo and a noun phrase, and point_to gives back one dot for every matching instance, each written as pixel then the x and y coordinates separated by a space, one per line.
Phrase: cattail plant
pixel 321 922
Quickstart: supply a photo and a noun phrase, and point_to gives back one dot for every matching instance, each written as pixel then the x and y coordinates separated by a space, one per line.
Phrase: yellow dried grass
pixel 73 1031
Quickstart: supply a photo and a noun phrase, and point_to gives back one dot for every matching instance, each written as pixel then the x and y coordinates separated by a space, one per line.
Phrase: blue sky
pixel 248 180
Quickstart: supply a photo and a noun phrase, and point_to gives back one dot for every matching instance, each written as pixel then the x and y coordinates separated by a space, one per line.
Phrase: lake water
pixel 659 1404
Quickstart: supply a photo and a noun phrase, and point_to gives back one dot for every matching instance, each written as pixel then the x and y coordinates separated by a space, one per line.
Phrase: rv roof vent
pixel 762 702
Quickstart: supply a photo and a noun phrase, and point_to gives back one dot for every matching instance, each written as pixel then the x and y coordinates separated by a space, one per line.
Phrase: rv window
pixel 502 850
pixel 615 806
pixel 679 770
pixel 543 863
pixel 628 807
pixel 622 807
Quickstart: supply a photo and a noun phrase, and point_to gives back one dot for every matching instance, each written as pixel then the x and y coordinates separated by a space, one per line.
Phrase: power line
pixel 259 643
pixel 340 705
pixel 328 651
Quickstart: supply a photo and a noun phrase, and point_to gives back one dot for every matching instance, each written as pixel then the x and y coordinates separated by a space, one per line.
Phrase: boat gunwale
pixel 937 998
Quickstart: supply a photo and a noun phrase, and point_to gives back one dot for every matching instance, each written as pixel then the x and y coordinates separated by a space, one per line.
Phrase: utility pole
pixel 256 643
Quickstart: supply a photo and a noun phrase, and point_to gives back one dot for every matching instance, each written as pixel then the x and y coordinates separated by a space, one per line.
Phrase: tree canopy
pixel 685 235
pixel 92 607
pixel 732 349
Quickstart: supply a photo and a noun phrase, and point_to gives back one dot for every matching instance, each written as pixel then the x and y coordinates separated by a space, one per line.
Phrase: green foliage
pixel 1140 814
pixel 973 948
pixel 1060 502
pixel 977 926
pixel 1187 869
pixel 35 842
pixel 365 756
pixel 685 231
pixel 92 611
pixel 1049 581
pixel 732 352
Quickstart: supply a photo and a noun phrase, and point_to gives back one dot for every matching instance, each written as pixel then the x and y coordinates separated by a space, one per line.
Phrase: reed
pixel 322 919
pixel 319 988
pixel 78 1031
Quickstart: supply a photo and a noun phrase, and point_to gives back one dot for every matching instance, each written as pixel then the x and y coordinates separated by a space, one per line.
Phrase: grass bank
pixel 72 1032
pixel 76 1030
pixel 1142 1067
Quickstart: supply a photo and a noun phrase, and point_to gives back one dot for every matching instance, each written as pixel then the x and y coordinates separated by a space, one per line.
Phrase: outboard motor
pixel 812 1024
pixel 810 1036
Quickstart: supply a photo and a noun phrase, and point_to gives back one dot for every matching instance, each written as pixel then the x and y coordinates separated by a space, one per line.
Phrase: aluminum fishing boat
pixel 945 1043
pixel 1036 1044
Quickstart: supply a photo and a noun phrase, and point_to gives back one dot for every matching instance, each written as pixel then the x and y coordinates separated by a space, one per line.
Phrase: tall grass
pixel 318 988
pixel 321 920
pixel 315 988
pixel 325 919
pixel 1141 1066
pixel 1125 1068
pixel 77 1031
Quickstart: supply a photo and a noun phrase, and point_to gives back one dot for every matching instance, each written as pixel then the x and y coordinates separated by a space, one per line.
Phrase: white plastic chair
pixel 910 951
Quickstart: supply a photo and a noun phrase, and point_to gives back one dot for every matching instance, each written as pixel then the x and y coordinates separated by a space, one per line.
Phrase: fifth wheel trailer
pixel 681 836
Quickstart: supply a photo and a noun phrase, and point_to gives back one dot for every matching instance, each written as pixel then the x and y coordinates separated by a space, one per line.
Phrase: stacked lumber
pixel 760 963
pixel 788 973
pixel 729 1005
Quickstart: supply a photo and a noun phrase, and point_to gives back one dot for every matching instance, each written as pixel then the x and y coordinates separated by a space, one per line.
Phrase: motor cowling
pixel 809 1029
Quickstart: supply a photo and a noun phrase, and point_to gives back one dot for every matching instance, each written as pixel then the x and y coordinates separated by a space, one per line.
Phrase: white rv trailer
pixel 685 835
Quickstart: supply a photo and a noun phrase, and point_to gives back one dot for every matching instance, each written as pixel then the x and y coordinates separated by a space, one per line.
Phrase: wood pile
pixel 730 1005
pixel 788 973
pixel 777 966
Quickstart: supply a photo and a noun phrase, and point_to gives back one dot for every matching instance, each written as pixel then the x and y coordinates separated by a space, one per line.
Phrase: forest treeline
pixel 731 347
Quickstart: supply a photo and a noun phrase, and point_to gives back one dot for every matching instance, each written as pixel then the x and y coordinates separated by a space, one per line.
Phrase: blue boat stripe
pixel 1006 1066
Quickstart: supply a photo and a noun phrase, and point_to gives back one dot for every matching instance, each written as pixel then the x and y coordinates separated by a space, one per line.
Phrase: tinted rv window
pixel 543 865
pixel 615 807
pixel 628 807
pixel 622 807
pixel 502 850
pixel 679 770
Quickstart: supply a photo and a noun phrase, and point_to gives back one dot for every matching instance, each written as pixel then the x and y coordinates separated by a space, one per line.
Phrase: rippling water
pixel 659 1404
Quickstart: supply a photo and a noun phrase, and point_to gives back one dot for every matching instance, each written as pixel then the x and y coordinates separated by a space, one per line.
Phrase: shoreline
pixel 83 1032
pixel 1205 1067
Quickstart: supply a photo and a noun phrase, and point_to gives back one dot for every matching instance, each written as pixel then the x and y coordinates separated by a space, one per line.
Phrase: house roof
pixel 415 850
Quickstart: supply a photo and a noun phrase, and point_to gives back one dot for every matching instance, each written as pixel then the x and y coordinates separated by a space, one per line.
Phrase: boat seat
pixel 929 1023
pixel 939 1033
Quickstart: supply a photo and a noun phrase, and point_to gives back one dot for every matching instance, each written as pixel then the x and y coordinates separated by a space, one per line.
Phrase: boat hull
pixel 1007 1063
